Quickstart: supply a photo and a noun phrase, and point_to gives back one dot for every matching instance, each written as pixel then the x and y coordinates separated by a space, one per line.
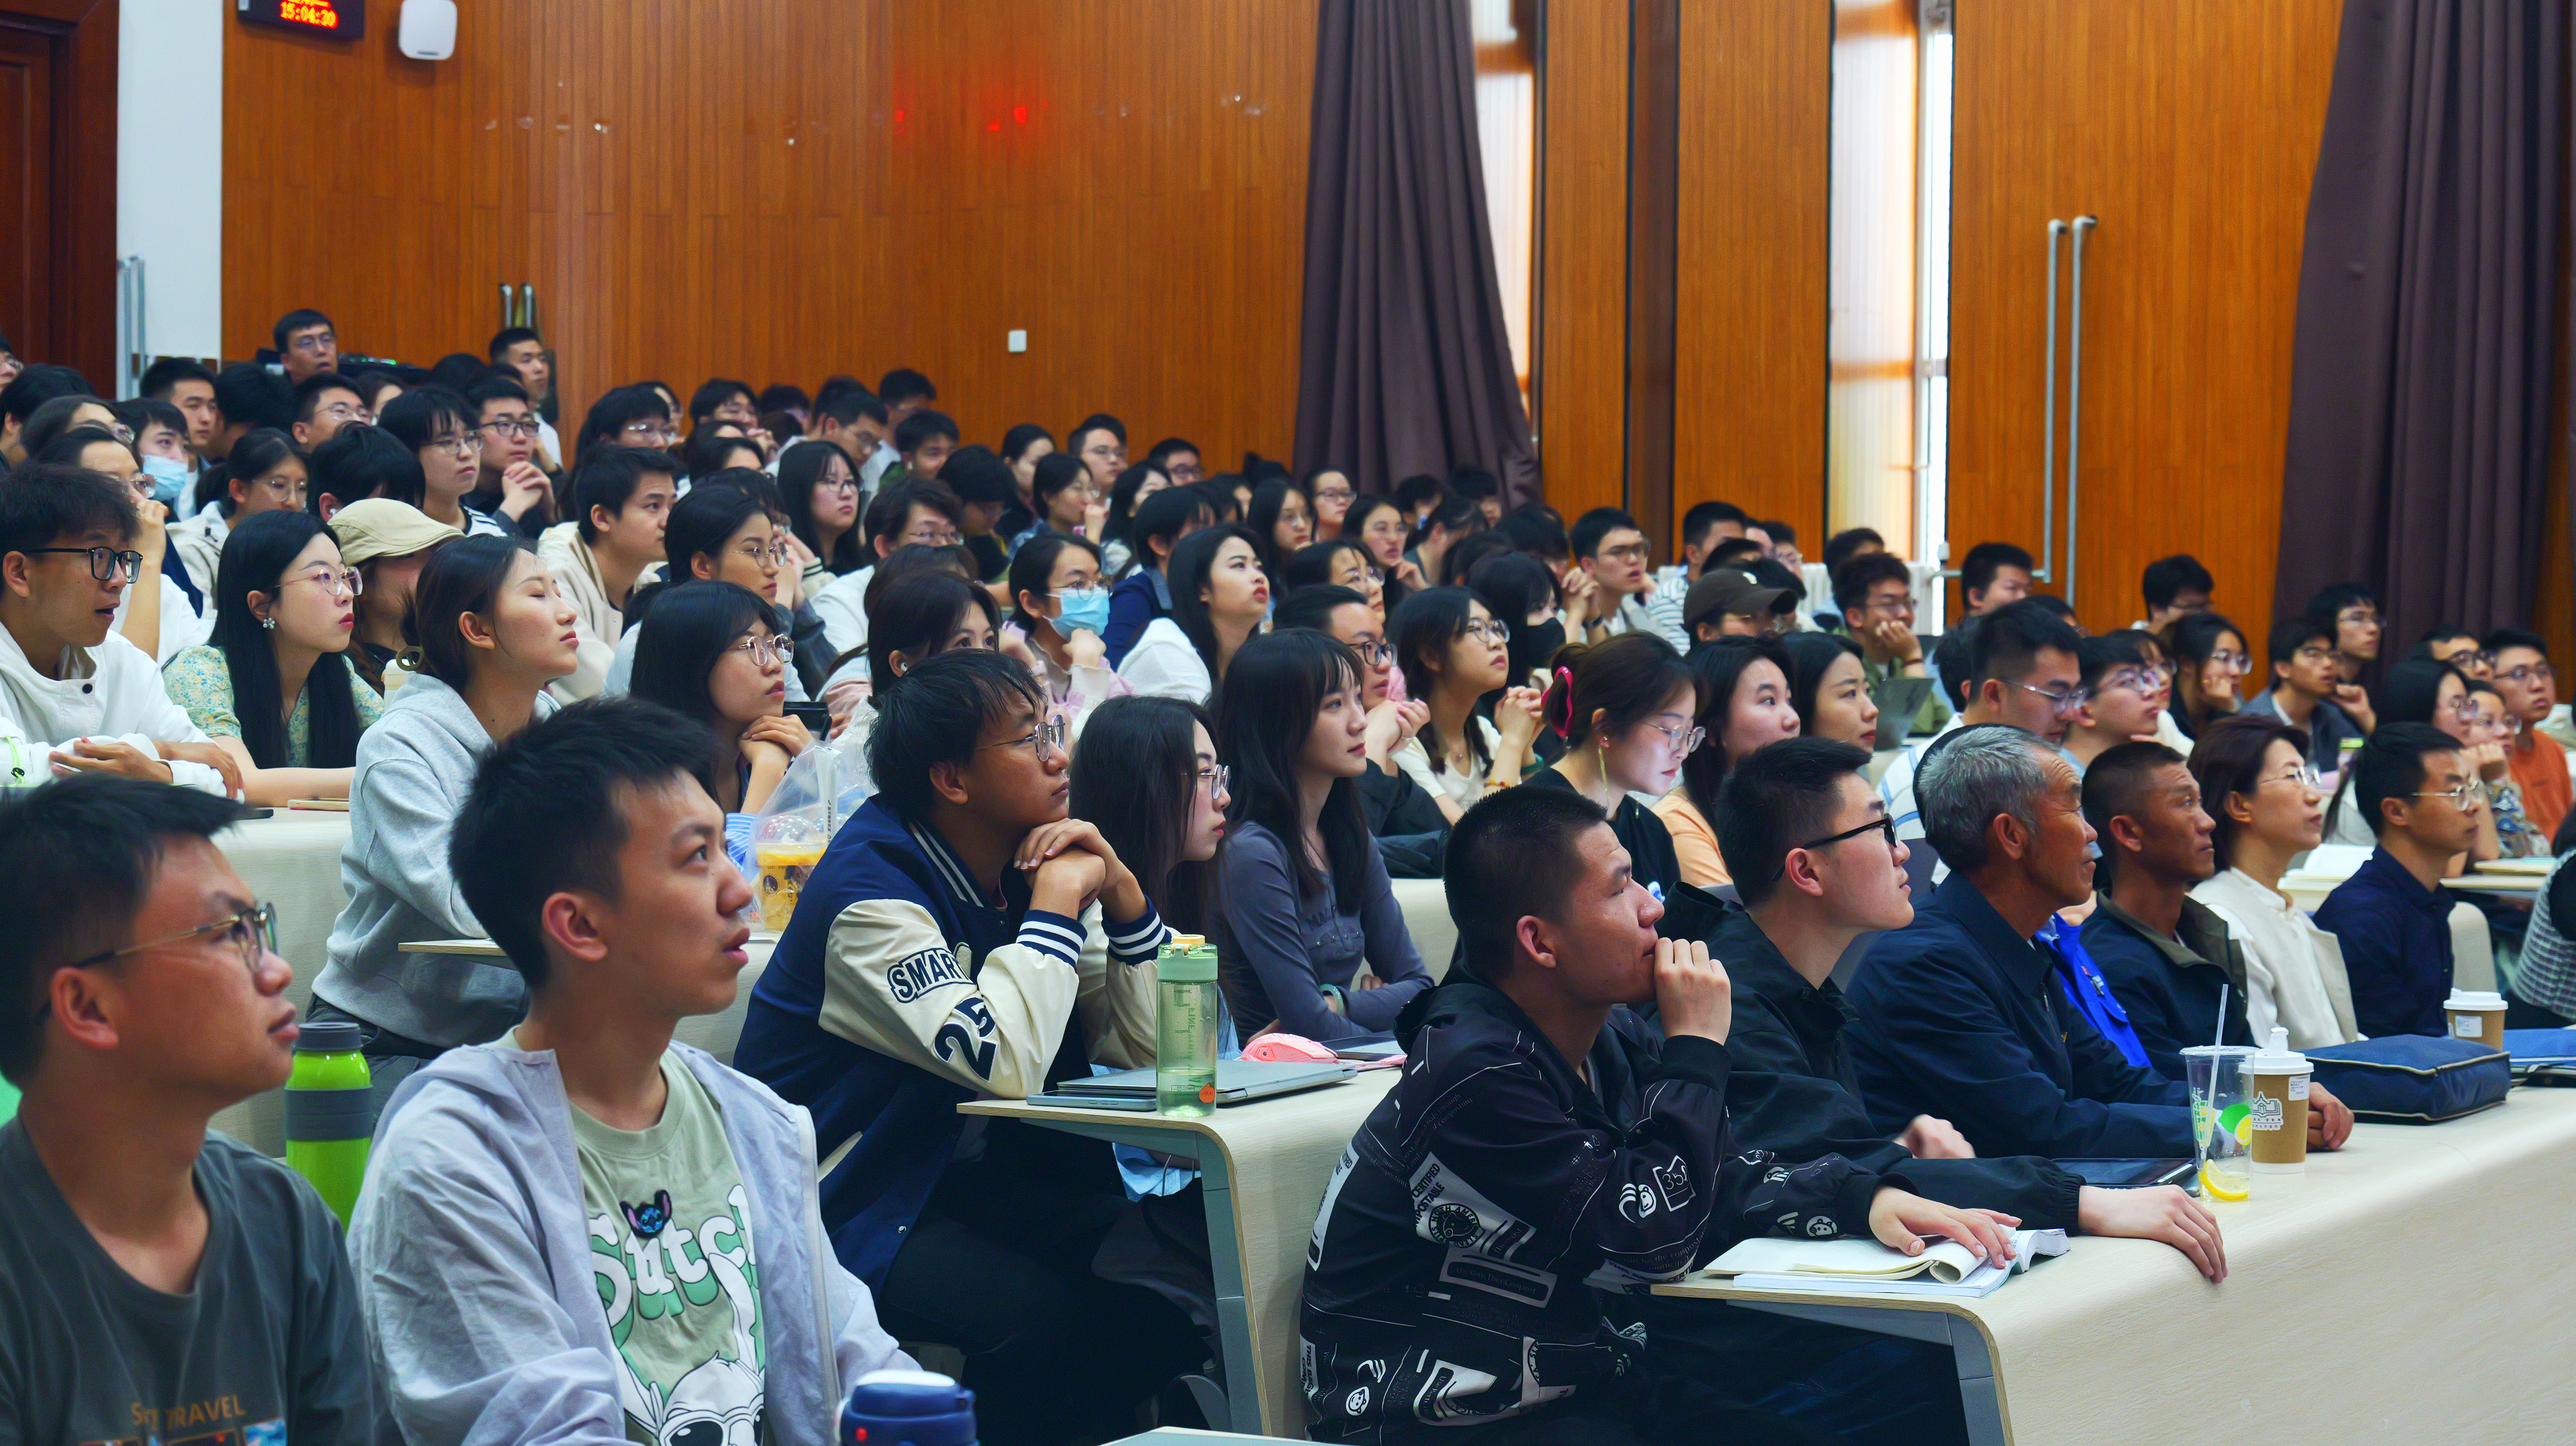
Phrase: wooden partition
pixel 776 191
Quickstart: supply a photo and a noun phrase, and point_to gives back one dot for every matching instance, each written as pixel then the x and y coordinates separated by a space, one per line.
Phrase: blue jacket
pixel 1959 1017
pixel 2171 987
pixel 2081 981
pixel 1139 598
pixel 2396 937
pixel 898 992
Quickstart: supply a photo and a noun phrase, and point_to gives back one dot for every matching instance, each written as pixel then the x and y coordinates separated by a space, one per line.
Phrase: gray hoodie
pixel 473 1261
pixel 414 768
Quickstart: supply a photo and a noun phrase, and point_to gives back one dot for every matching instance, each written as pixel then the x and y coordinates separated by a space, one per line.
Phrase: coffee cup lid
pixel 2473 999
pixel 2277 1057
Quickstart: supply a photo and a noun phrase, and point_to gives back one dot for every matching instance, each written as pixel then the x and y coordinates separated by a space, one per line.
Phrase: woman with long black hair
pixel 1745 704
pixel 1628 710
pixel 1220 594
pixel 1145 774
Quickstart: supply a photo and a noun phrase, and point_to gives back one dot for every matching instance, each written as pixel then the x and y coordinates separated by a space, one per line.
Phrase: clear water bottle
pixel 908 1408
pixel 1188 1015
pixel 330 1113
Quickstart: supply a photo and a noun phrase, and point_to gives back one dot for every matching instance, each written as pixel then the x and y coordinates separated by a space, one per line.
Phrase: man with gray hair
pixel 1958 1014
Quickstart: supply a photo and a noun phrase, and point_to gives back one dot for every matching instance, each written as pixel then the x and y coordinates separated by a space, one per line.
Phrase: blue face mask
pixel 169 479
pixel 1086 607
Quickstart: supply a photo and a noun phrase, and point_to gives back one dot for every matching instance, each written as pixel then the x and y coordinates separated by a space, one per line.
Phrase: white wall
pixel 169 167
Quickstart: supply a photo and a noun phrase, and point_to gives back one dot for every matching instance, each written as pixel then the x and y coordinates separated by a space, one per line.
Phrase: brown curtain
pixel 2420 384
pixel 1405 365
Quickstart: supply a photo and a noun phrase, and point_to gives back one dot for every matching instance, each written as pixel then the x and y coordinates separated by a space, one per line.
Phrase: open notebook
pixel 1842 1266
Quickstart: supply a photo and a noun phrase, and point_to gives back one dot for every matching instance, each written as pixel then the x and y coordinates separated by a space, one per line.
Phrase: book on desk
pixel 1842 1266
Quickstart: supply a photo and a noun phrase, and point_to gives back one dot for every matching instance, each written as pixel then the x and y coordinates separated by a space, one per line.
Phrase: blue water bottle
pixel 908 1408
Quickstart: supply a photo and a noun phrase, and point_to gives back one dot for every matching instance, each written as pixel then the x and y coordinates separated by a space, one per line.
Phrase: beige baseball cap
pixel 375 527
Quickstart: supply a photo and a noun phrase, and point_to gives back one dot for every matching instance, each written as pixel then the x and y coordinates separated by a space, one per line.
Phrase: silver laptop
pixel 1237 1080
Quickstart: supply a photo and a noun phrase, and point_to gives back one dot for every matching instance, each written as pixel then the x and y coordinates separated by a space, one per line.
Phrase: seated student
pixel 2024 670
pixel 1453 652
pixel 900 515
pixel 388 542
pixel 919 614
pixel 1382 525
pixel 2210 661
pixel 324 403
pixel 1410 825
pixel 1022 448
pixel 187 385
pixel 1118 529
pixel 76 695
pixel 2174 586
pixel 438 425
pixel 1219 597
pixel 1282 519
pixel 2530 688
pixel 867 1017
pixel 361 461
pixel 2351 610
pixel 1058 612
pixel 2457 646
pixel 248 397
pixel 1875 595
pixel 855 423
pixel 1829 688
pixel 1340 563
pixel 1328 489
pixel 153 1265
pixel 273 687
pixel 264 472
pixel 1520 589
pixel 711 652
pixel 2168 958
pixel 2307 693
pixel 717 448
pixel 1061 499
pixel 1849 543
pixel 156 614
pixel 628 416
pixel 986 491
pixel 822 495
pixel 923 439
pixel 2487 729
pixel 722 399
pixel 1704 526
pixel 2124 695
pixel 1611 553
pixel 1312 939
pixel 1626 710
pixel 586 1134
pixel 1536 1114
pixel 1145 774
pixel 1744 706
pixel 2257 787
pixel 621 499
pixel 1958 1014
pixel 717 533
pixel 1994 575
pixel 161 441
pixel 491 632
pixel 510 482
pixel 1728 603
pixel 2423 801
pixel 2415 691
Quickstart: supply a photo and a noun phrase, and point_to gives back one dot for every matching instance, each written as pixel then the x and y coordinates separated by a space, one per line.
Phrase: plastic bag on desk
pixel 819 790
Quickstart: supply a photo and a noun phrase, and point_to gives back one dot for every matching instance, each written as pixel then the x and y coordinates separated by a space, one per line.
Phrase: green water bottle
pixel 1188 1012
pixel 330 1113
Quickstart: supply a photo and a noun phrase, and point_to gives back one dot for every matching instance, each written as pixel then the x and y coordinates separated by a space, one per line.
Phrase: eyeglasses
pixel 2358 617
pixel 1631 552
pixel 462 444
pixel 2467 657
pixel 766 648
pixel 1892 606
pixel 2461 795
pixel 927 538
pixel 313 345
pixel 2231 662
pixel 510 427
pixel 351 582
pixel 655 434
pixel 104 562
pixel 1685 741
pixel 1884 825
pixel 2305 775
pixel 1215 777
pixel 253 932
pixel 772 556
pixel 1335 494
pixel 1374 654
pixel 2529 673
pixel 1492 630
pixel 2064 705
pixel 2312 654
pixel 345 412
pixel 2141 681
pixel 284 489
pixel 849 485
pixel 1048 737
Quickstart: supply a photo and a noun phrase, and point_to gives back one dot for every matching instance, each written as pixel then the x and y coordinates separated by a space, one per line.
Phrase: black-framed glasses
pixel 1884 824
pixel 509 426
pixel 251 931
pixel 1492 630
pixel 1375 654
pixel 104 562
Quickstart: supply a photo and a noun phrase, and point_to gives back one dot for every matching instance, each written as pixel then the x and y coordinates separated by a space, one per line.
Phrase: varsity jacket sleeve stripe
pixel 892 984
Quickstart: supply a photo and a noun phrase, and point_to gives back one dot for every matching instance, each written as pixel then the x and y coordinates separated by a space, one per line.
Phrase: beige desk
pixel 293 861
pixel 2418 1285
pixel 1262 1171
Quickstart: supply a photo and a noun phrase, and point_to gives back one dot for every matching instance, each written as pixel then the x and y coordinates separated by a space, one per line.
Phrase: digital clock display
pixel 343 19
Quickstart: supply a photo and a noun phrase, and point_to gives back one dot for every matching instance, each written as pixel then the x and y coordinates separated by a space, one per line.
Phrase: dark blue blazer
pixel 1960 1018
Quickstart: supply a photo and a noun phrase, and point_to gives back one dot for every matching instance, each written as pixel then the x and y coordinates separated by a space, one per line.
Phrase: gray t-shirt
pixel 265 1349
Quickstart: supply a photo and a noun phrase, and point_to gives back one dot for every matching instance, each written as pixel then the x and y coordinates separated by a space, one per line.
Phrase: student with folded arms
pixel 154 1267
pixel 1960 1015
pixel 933 960
pixel 1544 1138
pixel 2168 958
pixel 1147 777
pixel 584 1231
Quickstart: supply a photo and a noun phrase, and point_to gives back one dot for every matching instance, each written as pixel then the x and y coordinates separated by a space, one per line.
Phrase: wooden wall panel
pixel 1750 308
pixel 1583 256
pixel 2191 130
pixel 779 190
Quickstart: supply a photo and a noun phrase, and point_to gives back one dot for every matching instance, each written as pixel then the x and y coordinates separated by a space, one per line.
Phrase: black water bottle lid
pixel 328 1036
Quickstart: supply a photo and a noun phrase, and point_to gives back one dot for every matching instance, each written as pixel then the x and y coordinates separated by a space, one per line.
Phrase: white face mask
pixel 169 479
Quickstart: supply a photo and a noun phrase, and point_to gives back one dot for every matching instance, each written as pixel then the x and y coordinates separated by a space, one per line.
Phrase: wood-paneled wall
pixel 1582 401
pixel 775 191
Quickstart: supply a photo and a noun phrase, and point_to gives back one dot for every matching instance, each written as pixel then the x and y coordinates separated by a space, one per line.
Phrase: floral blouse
pixel 199 681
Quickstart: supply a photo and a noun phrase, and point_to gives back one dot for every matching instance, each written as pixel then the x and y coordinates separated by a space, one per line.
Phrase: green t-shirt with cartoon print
pixel 671 1247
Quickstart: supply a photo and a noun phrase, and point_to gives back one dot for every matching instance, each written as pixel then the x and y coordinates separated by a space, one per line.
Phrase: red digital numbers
pixel 339 19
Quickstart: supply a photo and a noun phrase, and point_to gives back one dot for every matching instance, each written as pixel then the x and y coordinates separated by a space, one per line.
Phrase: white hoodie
pixel 110 691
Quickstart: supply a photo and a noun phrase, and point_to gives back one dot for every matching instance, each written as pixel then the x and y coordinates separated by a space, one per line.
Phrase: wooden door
pixel 2189 128
pixel 58 183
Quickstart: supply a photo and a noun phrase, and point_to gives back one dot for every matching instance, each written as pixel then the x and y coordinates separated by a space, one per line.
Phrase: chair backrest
pixel 2472 949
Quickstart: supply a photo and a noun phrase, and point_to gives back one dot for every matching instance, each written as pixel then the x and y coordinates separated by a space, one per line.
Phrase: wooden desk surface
pixel 2417 1284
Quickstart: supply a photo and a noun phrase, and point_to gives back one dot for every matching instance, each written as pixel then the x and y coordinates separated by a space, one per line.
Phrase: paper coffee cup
pixel 2476 1014
pixel 2276 1093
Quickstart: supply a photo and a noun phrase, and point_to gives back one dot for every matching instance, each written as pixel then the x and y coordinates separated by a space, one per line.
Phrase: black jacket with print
pixel 1483 1223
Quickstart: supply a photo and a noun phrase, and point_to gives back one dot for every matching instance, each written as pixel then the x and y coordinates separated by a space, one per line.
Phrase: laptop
pixel 1237 1080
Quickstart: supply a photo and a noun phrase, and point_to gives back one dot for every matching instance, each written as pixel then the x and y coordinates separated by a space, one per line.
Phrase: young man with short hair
pixel 1874 592
pixel 2457 646
pixel 306 343
pixel 855 422
pixel 2167 957
pixel 1545 1159
pixel 1100 445
pixel 1610 554
pixel 523 351
pixel 2174 586
pixel 2023 669
pixel 1725 603
pixel 2124 696
pixel 904 392
pixel 1704 526
pixel 186 384
pixel 324 403
pixel 584 1230
pixel 1961 1015
pixel 2351 610
pixel 1994 575
pixel 1145 594
pixel 1849 543
pixel 906 511
pixel 924 439
pixel 509 485
pixel 621 497
pixel 2308 691
pixel 27 391
pixel 933 960
pixel 2529 686
pixel 165 1283
pixel 1179 458
pixel 82 699
pixel 985 490
pixel 2393 918
pixel 248 396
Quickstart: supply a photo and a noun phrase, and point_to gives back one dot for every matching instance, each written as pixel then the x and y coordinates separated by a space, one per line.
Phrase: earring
pixel 269 623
